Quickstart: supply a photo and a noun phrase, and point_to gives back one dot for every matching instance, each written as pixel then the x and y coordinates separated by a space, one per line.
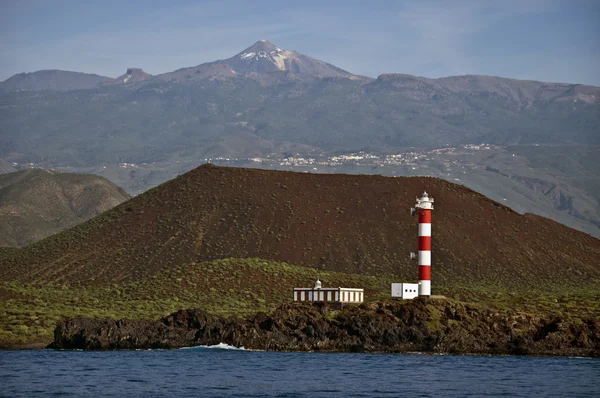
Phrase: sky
pixel 547 40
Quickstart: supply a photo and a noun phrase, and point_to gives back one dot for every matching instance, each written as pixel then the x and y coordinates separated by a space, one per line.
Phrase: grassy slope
pixel 229 287
pixel 37 203
pixel 234 287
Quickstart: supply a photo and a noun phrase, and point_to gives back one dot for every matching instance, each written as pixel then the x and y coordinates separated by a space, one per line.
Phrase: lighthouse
pixel 408 291
pixel 424 207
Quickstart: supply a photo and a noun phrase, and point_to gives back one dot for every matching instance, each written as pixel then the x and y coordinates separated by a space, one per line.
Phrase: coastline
pixel 424 326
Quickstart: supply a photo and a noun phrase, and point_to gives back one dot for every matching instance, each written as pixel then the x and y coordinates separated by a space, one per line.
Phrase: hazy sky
pixel 549 40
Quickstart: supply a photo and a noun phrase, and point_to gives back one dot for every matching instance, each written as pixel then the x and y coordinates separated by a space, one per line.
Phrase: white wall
pixel 405 291
pixel 343 295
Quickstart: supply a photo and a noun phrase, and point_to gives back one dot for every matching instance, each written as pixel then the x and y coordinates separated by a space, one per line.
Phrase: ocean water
pixel 224 372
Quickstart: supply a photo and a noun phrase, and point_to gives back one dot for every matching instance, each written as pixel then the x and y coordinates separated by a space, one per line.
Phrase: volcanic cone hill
pixel 37 203
pixel 356 224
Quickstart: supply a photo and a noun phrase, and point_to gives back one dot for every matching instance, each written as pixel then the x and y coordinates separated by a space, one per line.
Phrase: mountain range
pixel 262 57
pixel 266 101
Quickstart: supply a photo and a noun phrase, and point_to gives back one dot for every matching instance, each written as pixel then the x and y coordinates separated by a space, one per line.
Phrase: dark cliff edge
pixel 431 326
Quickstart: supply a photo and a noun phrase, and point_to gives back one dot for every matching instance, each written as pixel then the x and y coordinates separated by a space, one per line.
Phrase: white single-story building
pixel 329 294
pixel 405 291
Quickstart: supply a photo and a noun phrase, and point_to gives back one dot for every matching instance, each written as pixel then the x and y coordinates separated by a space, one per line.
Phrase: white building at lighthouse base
pixel 406 291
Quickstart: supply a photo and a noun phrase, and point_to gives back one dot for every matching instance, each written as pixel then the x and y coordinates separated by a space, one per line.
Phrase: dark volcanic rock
pixel 419 325
pixel 107 334
pixel 132 75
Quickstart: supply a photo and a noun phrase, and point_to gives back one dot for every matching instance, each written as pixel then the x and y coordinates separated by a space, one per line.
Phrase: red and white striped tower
pixel 424 206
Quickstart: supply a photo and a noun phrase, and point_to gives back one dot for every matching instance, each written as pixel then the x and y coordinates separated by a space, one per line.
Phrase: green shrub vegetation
pixel 232 287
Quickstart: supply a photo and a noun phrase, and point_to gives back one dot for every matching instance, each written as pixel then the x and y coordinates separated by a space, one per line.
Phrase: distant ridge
pixel 524 92
pixel 57 80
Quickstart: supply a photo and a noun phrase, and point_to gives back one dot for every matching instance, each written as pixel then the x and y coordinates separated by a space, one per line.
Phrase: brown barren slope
pixel 351 223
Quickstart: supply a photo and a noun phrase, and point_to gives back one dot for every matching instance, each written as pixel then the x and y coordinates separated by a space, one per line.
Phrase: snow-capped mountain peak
pixel 263 60
pixel 264 56
pixel 264 50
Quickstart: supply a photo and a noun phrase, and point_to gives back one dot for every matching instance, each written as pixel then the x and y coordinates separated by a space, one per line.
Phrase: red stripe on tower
pixel 425 243
pixel 425 273
pixel 425 207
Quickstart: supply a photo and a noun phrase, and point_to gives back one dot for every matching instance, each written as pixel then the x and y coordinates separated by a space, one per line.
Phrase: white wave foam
pixel 220 346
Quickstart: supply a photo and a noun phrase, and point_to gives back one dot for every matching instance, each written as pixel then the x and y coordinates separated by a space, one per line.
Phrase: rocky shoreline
pixel 431 326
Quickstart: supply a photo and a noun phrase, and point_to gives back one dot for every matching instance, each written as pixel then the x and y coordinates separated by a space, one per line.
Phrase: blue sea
pixel 226 372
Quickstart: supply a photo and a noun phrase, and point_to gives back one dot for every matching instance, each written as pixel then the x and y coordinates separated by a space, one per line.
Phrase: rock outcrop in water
pixel 436 326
